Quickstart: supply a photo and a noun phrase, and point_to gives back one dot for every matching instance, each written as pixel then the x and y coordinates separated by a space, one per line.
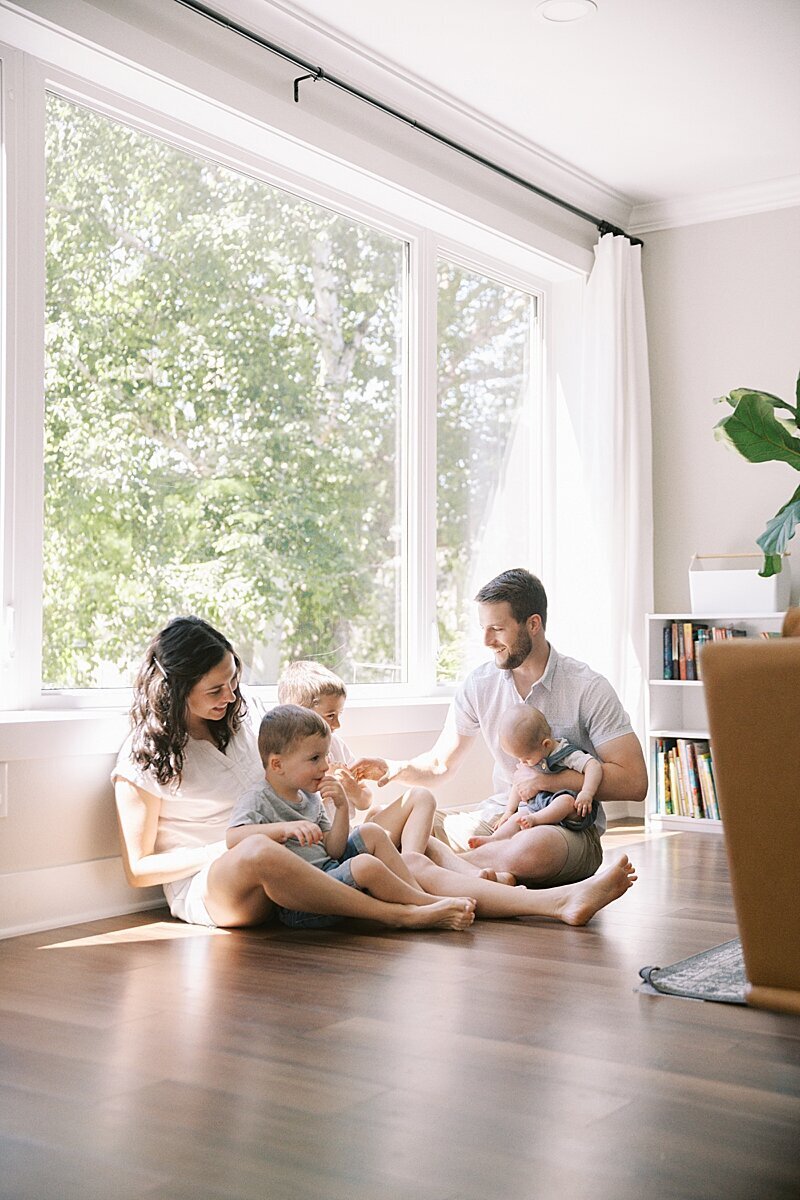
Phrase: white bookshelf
pixel 677 708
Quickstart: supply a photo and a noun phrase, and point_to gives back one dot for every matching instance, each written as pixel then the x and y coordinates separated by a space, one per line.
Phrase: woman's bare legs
pixel 572 903
pixel 247 882
pixel 382 883
pixel 408 820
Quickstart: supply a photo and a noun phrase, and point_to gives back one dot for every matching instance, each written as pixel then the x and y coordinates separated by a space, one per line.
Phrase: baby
pixel 526 734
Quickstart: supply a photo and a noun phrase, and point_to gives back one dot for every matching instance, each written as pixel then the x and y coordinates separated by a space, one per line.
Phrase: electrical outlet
pixel 4 789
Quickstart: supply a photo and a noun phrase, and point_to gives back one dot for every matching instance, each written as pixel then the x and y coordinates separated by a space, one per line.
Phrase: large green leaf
pixel 735 396
pixel 755 432
pixel 778 534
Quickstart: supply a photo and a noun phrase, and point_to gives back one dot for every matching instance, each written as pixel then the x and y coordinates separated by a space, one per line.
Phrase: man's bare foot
pixel 474 842
pixel 590 895
pixel 452 912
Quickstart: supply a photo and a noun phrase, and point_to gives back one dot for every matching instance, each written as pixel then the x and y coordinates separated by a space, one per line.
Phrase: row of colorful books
pixel 683 641
pixel 684 778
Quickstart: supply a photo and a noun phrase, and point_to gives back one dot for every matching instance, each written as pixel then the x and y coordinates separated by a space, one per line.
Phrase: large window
pixel 262 387
pixel 223 400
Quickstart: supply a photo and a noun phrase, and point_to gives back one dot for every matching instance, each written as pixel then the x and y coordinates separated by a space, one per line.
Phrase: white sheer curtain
pixel 604 560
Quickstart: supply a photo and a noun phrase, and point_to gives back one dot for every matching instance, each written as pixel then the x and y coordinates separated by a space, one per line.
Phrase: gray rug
pixel 716 974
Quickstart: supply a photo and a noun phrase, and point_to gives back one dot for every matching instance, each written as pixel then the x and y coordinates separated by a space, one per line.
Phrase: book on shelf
pixel 683 642
pixel 684 779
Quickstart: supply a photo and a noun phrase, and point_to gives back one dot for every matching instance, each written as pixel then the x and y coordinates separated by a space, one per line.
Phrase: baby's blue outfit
pixel 564 757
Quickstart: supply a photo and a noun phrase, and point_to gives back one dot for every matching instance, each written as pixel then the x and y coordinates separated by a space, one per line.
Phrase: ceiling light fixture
pixel 562 11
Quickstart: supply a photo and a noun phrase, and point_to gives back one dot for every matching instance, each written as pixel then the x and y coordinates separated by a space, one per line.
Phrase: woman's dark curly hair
pixel 177 658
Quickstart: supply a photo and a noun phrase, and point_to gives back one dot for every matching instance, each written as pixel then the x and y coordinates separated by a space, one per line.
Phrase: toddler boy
pixel 293 743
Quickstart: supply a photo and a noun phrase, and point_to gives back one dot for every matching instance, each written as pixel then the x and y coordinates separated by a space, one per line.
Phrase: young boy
pixel 526 734
pixel 293 743
pixel 408 820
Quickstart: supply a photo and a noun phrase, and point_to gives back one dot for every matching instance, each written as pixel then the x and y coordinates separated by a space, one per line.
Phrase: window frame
pixel 200 124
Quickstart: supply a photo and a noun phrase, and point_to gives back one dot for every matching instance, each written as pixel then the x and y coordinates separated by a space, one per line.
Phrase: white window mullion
pixel 422 641
pixel 23 401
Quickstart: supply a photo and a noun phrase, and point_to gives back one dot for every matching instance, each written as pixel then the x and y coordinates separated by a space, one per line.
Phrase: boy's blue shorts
pixel 339 869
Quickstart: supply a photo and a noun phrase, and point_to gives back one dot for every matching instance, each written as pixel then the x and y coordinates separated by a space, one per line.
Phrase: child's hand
pixel 583 804
pixel 496 822
pixel 307 833
pixel 332 790
pixel 370 768
pixel 347 779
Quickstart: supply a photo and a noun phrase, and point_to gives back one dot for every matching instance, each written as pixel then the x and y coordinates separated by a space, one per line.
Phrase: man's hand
pixel 332 790
pixel 307 833
pixel 531 785
pixel 376 769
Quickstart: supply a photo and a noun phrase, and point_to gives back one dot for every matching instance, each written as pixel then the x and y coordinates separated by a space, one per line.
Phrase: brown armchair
pixel 752 690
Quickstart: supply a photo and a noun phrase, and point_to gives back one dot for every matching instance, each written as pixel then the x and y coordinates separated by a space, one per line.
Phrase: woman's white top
pixel 197 811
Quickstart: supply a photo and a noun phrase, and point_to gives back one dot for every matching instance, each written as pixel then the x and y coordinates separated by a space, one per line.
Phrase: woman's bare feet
pixel 586 898
pixel 453 912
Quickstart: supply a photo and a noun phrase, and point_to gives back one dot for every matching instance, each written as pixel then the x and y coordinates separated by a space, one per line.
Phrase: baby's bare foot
pixel 474 842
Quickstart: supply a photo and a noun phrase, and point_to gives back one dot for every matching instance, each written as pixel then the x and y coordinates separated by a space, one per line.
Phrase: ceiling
pixel 661 103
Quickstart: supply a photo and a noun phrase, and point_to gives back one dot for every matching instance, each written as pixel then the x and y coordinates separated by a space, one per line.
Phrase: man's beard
pixel 518 652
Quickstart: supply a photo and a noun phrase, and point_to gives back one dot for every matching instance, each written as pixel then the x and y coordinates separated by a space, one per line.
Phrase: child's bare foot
pixel 474 842
pixel 590 895
pixel 506 877
pixel 443 856
pixel 452 912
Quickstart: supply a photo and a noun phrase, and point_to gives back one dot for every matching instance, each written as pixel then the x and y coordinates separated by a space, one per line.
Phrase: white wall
pixel 723 311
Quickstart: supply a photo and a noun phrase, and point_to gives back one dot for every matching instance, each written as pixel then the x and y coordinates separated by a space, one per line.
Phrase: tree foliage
pixel 223 401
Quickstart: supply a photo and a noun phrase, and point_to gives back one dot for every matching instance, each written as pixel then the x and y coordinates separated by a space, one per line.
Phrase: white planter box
pixel 731 583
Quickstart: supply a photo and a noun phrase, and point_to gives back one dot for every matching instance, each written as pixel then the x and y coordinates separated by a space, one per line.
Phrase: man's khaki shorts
pixel 584 851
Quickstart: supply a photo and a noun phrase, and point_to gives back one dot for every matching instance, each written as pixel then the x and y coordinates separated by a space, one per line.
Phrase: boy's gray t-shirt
pixel 263 806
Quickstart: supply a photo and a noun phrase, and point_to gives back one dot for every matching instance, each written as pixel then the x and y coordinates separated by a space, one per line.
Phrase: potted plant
pixel 762 428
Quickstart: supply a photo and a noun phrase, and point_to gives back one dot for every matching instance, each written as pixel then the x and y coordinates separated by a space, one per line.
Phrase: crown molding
pixel 715 206
pixel 315 41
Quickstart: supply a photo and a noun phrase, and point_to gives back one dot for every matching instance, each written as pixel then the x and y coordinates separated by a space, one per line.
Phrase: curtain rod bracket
pixel 315 75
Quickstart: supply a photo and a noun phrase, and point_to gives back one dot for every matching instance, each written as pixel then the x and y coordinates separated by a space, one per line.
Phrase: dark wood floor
pixel 142 1058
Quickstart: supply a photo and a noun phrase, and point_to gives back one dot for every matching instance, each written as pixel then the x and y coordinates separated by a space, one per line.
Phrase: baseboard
pixel 53 897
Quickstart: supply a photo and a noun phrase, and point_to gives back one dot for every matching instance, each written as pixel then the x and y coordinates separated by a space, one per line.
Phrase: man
pixel 580 706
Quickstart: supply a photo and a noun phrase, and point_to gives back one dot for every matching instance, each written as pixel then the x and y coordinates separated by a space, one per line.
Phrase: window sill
pixel 61 732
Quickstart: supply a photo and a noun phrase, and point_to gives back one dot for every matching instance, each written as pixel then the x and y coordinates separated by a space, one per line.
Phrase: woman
pixel 192 753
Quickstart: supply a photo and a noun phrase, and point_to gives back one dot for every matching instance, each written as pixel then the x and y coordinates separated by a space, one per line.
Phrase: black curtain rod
pixel 315 73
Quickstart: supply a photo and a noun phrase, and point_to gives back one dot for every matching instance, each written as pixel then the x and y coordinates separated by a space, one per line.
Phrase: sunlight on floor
pixel 616 837
pixel 159 931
